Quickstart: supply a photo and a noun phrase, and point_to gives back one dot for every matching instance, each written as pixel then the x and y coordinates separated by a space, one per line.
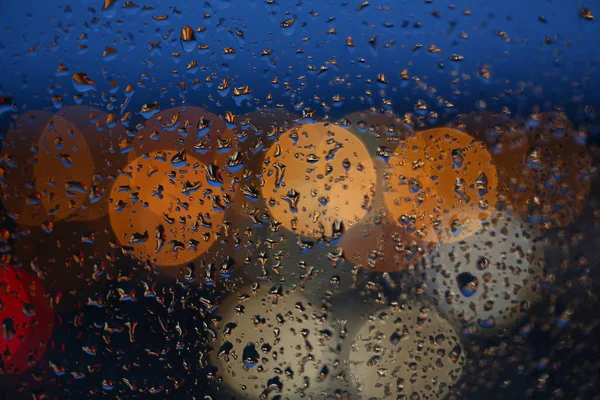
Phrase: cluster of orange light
pixel 437 185
pixel 164 189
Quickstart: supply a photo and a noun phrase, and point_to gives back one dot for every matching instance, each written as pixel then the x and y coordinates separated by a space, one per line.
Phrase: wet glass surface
pixel 299 200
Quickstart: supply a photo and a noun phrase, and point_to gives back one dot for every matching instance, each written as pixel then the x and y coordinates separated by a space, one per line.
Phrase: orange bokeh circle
pixel 317 175
pixel 64 169
pixel 172 225
pixel 45 152
pixel 103 134
pixel 544 167
pixel 556 174
pixel 441 184
pixel 202 134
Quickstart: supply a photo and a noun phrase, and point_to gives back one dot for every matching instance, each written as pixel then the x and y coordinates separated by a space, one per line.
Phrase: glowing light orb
pixel 64 169
pixel 103 136
pixel 165 208
pixel 317 180
pixel 489 280
pixel 441 185
pixel 410 352
pixel 274 344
